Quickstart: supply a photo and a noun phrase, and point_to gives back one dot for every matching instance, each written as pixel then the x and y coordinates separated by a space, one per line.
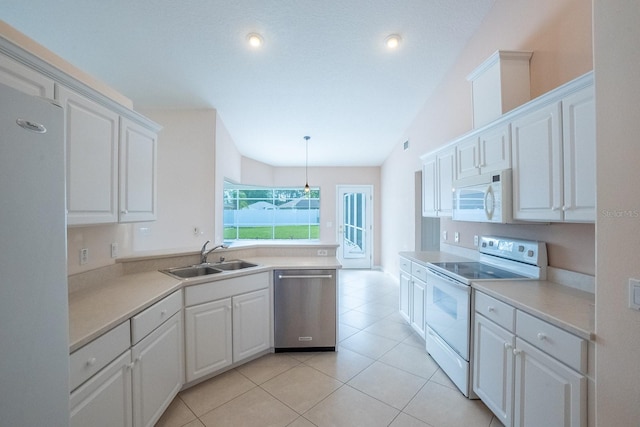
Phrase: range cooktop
pixel 476 270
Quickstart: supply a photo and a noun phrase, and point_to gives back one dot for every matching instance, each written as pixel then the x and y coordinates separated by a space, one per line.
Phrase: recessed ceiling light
pixel 255 40
pixel 392 41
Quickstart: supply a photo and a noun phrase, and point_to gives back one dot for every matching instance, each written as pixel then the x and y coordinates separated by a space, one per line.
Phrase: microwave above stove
pixel 483 198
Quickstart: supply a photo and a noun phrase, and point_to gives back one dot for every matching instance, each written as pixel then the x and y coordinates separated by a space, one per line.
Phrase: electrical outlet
pixel 456 237
pixel 476 240
pixel 322 252
pixel 114 250
pixel 84 256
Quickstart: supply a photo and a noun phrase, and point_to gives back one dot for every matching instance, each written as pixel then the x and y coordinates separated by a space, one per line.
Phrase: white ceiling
pixel 323 70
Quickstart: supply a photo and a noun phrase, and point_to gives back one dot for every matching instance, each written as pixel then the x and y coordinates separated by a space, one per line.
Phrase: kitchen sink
pixel 192 271
pixel 236 264
pixel 200 270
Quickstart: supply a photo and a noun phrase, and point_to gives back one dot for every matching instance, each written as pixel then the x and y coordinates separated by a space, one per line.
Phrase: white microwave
pixel 483 198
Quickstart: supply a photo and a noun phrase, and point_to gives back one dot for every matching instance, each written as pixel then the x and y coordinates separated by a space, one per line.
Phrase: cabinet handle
pixel 516 351
pixel 541 336
pixel 508 346
pixel 91 361
pixel 163 313
pixel 236 305
pixel 491 309
pixel 228 308
pixel 566 208
pixel 554 208
pixel 124 212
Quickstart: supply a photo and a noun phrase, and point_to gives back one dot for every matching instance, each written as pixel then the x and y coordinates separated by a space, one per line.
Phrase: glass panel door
pixel 355 205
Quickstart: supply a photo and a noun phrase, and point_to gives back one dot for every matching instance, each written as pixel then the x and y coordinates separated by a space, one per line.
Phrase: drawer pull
pixel 516 351
pixel 91 361
pixel 541 336
pixel 491 309
pixel 163 313
pixel 507 346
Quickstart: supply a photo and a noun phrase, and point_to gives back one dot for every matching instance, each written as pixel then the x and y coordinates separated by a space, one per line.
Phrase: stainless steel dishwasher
pixel 305 310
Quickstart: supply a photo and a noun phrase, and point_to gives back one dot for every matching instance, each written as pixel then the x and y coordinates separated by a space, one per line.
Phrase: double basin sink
pixel 200 270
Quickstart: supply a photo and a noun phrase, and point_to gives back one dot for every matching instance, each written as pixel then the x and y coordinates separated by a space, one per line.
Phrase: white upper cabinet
pixel 91 133
pixel 24 79
pixel 483 152
pixel 553 159
pixel 438 171
pixel 138 155
pixel 579 148
pixel 537 165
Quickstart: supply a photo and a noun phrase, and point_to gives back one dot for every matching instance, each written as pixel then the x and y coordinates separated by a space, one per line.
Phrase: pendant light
pixel 307 189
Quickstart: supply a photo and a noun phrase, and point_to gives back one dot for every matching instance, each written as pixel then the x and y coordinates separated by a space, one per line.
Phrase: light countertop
pixel 94 310
pixel 570 309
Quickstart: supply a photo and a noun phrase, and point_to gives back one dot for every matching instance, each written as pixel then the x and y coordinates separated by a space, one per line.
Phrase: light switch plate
pixel 634 294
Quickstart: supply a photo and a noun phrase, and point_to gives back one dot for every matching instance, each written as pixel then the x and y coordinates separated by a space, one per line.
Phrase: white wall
pixel 616 59
pixel 559 34
pixel 228 165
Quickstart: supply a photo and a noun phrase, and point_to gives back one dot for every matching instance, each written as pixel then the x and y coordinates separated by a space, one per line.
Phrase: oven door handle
pixel 449 280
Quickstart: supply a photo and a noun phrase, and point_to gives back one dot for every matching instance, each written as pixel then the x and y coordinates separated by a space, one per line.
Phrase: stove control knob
pixel 520 248
pixel 530 253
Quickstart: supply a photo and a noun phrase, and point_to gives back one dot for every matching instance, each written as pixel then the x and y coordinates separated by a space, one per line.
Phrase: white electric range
pixel 448 305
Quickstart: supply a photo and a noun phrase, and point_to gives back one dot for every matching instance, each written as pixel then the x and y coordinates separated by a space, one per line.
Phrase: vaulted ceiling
pixel 323 70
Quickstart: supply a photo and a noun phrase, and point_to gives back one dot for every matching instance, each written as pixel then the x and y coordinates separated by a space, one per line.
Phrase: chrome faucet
pixel 204 253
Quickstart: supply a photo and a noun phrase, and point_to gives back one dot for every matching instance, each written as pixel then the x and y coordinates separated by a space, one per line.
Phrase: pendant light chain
pixel 307 189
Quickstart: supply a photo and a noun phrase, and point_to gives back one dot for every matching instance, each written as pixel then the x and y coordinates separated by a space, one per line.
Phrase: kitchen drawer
pixel 405 265
pixel 554 341
pixel 142 324
pixel 87 360
pixel 198 294
pixel 496 311
pixel 419 271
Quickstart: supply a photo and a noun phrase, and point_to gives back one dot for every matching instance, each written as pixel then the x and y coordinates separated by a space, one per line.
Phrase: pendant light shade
pixel 307 189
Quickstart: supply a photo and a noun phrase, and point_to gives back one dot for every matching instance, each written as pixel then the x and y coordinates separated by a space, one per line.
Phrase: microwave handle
pixel 489 203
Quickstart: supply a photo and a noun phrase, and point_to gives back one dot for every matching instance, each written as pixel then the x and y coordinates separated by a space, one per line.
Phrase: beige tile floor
pixel 381 375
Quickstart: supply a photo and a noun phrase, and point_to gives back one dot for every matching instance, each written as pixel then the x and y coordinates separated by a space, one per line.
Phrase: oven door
pixel 448 310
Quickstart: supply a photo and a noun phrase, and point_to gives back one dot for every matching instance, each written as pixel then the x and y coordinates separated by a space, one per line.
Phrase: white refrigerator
pixel 34 334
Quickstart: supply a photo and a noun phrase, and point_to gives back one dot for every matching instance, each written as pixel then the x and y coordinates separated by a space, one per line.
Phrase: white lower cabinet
pixel 413 282
pixel 547 392
pixel 104 400
pixel 250 324
pixel 226 321
pixel 137 385
pixel 417 312
pixel 157 371
pixel 527 372
pixel 493 368
pixel 208 338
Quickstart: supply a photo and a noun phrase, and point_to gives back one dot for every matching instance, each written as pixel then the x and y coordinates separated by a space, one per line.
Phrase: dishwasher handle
pixel 303 276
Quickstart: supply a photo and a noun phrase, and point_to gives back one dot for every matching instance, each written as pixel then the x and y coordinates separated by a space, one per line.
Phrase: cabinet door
pixel 493 368
pixel 417 312
pixel 467 158
pixel 208 338
pixel 158 371
pixel 105 399
pixel 251 324
pixel 446 171
pixel 429 187
pixel 547 393
pixel 405 296
pixel 495 148
pixel 24 79
pixel 138 155
pixel 91 133
pixel 537 165
pixel 579 139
